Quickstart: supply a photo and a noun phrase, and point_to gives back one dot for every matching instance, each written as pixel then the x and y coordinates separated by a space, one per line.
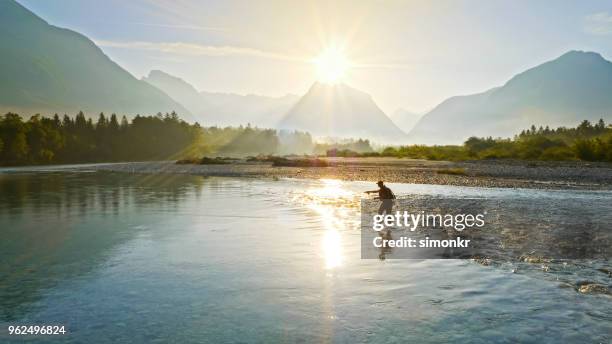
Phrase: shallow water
pixel 146 258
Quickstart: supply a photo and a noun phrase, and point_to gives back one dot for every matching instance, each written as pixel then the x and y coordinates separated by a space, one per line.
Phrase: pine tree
pixel 113 125
pixel 102 123
pixel 124 123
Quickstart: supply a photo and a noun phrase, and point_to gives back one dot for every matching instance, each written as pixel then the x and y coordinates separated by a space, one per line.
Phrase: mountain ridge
pixel 340 111
pixel 217 108
pixel 561 92
pixel 53 69
pixel 404 119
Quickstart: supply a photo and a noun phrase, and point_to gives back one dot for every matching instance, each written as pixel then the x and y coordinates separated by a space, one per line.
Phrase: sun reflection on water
pixel 334 204
pixel 332 249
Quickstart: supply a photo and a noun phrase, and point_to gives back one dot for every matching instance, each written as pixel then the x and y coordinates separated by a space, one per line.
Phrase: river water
pixel 119 257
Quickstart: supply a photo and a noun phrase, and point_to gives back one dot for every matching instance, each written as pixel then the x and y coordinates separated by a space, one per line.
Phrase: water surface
pixel 169 258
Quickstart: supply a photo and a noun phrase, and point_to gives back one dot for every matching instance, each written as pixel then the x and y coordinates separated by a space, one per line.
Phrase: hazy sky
pixel 408 54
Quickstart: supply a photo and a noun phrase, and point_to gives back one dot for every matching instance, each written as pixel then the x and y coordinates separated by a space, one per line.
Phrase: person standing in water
pixel 386 196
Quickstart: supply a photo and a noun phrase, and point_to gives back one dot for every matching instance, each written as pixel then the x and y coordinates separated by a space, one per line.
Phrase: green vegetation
pixel 452 171
pixel 243 141
pixel 411 151
pixel 240 140
pixel 41 140
pixel 294 161
pixel 205 161
pixel 53 140
pixel 427 152
pixel 299 162
pixel 345 148
pixel 587 142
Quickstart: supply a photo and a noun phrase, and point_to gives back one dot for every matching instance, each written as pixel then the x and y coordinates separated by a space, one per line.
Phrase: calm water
pixel 141 258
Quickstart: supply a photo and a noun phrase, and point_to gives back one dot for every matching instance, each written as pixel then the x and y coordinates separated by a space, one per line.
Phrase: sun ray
pixel 332 65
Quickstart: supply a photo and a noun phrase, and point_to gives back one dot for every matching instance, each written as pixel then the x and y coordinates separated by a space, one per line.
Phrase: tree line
pixel 248 140
pixel 63 140
pixel 587 142
pixel 55 140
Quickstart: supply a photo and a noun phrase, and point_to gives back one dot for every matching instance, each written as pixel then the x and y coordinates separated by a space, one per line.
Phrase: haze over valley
pixel 223 109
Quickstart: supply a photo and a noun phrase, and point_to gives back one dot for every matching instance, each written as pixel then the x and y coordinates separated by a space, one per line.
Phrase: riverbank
pixel 505 174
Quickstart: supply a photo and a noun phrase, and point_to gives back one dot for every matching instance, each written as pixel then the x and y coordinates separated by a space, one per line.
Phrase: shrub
pixel 452 171
pixel 277 161
pixel 557 154
pixel 204 161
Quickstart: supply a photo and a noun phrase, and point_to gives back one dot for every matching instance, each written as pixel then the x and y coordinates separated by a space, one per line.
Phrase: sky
pixel 406 54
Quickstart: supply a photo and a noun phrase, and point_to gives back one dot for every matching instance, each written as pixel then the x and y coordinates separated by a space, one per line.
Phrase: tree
pixel 113 125
pixel 600 126
pixel 102 123
pixel 13 135
pixel 124 123
pixel 585 150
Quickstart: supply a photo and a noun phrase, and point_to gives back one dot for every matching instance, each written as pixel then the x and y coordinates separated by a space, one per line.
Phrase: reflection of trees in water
pixel 53 225
pixel 87 191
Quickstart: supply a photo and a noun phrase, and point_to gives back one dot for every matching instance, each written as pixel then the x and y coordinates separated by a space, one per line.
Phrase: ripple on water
pixel 227 260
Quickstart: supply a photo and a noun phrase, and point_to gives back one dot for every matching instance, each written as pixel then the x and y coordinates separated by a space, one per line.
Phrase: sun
pixel 332 65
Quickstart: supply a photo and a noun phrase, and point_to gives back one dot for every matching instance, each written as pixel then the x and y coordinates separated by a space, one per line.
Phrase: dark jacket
pixel 385 193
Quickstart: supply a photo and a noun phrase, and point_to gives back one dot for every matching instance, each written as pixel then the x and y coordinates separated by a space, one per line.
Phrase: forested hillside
pixel 61 140
pixel 42 140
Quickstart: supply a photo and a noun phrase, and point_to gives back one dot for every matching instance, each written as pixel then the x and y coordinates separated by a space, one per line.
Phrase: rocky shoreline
pixel 505 174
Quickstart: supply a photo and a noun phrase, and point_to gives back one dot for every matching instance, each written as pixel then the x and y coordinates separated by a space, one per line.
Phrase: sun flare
pixel 332 65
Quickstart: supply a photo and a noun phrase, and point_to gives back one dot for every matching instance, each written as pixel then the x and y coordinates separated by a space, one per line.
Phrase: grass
pixel 204 161
pixel 188 161
pixel 277 161
pixel 452 171
pixel 286 162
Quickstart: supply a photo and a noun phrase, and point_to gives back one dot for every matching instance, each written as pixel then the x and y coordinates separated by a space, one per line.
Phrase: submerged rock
pixel 534 259
pixel 593 288
pixel 482 260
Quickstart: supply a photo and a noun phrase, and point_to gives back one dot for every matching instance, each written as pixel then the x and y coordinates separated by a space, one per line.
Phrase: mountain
pixel 223 108
pixel 561 92
pixel 48 69
pixel 405 119
pixel 340 111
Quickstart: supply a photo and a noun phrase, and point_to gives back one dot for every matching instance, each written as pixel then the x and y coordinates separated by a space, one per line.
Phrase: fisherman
pixel 386 196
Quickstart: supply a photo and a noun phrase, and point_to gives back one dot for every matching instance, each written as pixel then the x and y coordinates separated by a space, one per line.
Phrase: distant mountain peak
pixel 580 54
pixel 336 87
pixel 157 77
pixel 562 92
pixel 341 111
pixel 156 73
pixel 216 108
